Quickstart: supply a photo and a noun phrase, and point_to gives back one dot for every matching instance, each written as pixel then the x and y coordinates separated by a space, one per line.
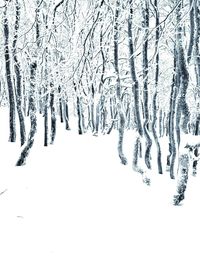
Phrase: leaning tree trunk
pixel 12 125
pixel 118 85
pixel 32 113
pixel 18 76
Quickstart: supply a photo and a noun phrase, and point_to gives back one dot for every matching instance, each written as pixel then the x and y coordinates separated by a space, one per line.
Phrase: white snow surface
pixel 74 205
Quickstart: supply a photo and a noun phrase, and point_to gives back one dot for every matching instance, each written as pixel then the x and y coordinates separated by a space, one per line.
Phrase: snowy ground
pixel 75 205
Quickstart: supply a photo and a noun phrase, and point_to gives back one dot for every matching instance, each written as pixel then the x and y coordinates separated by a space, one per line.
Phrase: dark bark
pixel 154 106
pixel 60 105
pixel 78 103
pixel 135 85
pixel 33 119
pixel 195 160
pixel 197 125
pixel 97 119
pixel 37 24
pixel 136 155
pixel 66 115
pixel 91 109
pixel 46 123
pixel 197 60
pixel 53 117
pixel 79 111
pixel 178 120
pixel 172 140
pixel 11 97
pixel 118 85
pixel 196 45
pixel 182 72
pixel 172 118
pixel 113 123
pixel 192 30
pixel 145 12
pixel 17 69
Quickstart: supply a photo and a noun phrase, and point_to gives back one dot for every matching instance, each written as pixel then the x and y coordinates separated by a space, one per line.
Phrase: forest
pixel 106 66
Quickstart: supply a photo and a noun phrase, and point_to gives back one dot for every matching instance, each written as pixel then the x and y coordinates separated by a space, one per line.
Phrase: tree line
pixel 111 65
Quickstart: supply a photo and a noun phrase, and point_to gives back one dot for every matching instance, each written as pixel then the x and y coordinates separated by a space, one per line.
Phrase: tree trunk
pixel 12 125
pixel 46 123
pixel 53 117
pixel 172 141
pixel 17 69
pixel 118 85
pixel 172 118
pixel 197 61
pixel 80 128
pixel 161 130
pixel 135 85
pixel 136 153
pixel 183 178
pixel 183 72
pixel 192 30
pixel 33 119
pixel 154 106
pixel 145 12
pixel 66 109
pixel 60 105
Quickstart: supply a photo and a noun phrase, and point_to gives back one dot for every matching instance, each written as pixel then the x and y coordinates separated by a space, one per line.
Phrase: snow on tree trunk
pixel 172 116
pixel 154 105
pixel 161 130
pixel 135 164
pixel 145 13
pixel 118 85
pixel 195 161
pixel 17 69
pixel 197 62
pixel 182 179
pixel 192 30
pixel 33 119
pixel 182 71
pixel 194 155
pixel 135 84
pixel 12 125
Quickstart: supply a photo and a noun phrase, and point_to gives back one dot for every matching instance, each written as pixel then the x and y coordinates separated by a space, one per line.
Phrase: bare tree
pixel 12 137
